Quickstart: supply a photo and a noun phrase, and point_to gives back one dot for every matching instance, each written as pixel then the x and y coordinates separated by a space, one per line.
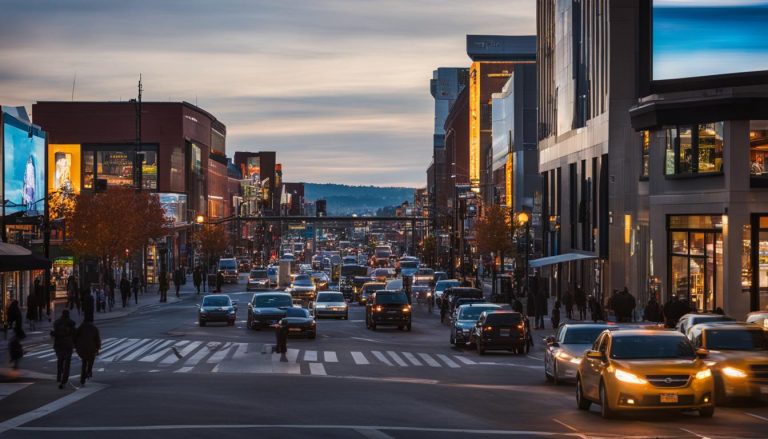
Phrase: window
pixel 645 151
pixel 116 167
pixel 694 149
pixel 758 147
pixel 696 259
pixel 88 170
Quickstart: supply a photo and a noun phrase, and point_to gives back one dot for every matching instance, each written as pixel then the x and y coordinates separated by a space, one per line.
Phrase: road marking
pixel 117 355
pixel 695 434
pixel 359 358
pixel 242 348
pixel 221 353
pixel 367 339
pixel 397 359
pixel 159 351
pixel 141 351
pixel 429 360
pixel 409 356
pixel 464 360
pixel 535 358
pixel 317 369
pixel 310 355
pixel 292 355
pixel 289 367
pixel 42 354
pixel 762 418
pixel 452 364
pixel 51 407
pixel 202 353
pixel 184 369
pixel 565 425
pixel 109 353
pixel 330 357
pixel 379 356
pixel 172 357
pixel 10 388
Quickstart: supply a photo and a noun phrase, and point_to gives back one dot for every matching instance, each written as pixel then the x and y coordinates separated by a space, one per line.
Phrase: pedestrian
pixel 627 304
pixel 72 292
pixel 652 311
pixel 14 315
pixel 135 286
pixel 101 299
pixel 580 299
pixel 111 286
pixel 443 308
pixel 31 311
pixel 87 345
pixel 15 349
pixel 63 343
pixel 540 308
pixel 163 286
pixel 205 277
pixel 125 290
pixel 568 303
pixel 178 277
pixel 87 302
pixel 39 291
pixel 595 309
pixel 281 336
pixel 556 315
pixel 197 278
pixel 219 281
pixel 673 310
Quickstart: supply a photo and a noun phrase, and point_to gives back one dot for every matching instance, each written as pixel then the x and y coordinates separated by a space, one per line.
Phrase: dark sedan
pixel 299 322
pixel 464 321
pixel 500 330
pixel 217 308
pixel 266 309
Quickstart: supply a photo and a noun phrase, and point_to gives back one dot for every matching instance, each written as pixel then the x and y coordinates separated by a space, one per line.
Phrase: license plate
pixel 505 332
pixel 764 389
pixel 294 329
pixel 668 398
pixel 391 312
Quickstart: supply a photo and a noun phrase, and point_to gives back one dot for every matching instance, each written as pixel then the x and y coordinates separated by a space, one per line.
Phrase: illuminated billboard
pixel 24 167
pixel 474 125
pixel 693 38
pixel 64 165
pixel 253 169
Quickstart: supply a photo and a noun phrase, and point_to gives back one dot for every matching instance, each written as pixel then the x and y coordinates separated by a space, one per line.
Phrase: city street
pixel 160 375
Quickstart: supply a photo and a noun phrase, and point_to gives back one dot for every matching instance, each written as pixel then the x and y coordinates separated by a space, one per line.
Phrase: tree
pixel 429 250
pixel 111 225
pixel 493 232
pixel 213 240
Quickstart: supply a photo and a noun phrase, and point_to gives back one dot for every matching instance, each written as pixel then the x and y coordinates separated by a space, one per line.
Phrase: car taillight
pixel 521 326
pixel 378 308
pixel 488 328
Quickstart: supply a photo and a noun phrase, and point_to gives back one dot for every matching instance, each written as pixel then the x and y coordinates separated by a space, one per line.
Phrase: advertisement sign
pixel 24 167
pixel 64 165
pixel 253 169
pixel 474 125
pixel 708 37
pixel 175 206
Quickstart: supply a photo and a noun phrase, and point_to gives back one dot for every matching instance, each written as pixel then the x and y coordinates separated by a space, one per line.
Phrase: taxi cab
pixel 644 369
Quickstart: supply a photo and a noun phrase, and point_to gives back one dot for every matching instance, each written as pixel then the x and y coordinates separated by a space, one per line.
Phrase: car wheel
pixel 480 348
pixel 202 323
pixel 232 323
pixel 707 412
pixel 400 327
pixel 605 406
pixel 346 316
pixel 547 375
pixel 581 402
pixel 555 379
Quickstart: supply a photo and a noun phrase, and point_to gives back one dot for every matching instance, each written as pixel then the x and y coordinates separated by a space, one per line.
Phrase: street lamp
pixel 524 220
pixel 200 219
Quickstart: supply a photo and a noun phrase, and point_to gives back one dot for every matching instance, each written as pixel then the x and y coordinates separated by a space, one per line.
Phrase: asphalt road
pixel 160 375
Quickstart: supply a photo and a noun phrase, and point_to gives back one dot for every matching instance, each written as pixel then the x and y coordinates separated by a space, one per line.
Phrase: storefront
pixel 755 268
pixel 63 267
pixel 695 244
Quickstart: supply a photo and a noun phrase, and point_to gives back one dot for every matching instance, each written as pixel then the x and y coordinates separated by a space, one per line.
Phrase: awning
pixel 565 257
pixel 17 258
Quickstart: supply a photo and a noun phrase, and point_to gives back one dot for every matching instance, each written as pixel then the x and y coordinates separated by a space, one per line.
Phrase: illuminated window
pixel 694 149
pixel 646 157
pixel 758 147
pixel 88 170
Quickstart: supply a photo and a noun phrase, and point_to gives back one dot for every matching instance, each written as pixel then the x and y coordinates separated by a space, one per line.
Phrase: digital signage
pixel 695 38
pixel 64 165
pixel 23 167
pixel 253 168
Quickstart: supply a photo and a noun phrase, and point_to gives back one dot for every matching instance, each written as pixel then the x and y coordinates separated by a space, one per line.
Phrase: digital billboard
pixel 694 38
pixel 23 167
pixel 253 169
pixel 64 163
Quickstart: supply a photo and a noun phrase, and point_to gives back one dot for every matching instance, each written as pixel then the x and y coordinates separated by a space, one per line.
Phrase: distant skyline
pixel 338 88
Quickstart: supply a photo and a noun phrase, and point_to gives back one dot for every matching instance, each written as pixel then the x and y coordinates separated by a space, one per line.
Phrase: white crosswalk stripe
pixel 429 360
pixel 108 355
pixel 202 353
pixel 172 358
pixel 397 359
pixel 310 355
pixel 452 364
pixel 359 358
pixel 379 356
pixel 138 345
pixel 410 357
pixel 292 355
pixel 464 359
pixel 317 369
pixel 242 349
pixel 135 354
pixel 220 354
pixel 330 357
pixel 161 351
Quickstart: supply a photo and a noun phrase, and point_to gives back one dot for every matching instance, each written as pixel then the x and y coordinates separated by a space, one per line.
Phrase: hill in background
pixel 361 200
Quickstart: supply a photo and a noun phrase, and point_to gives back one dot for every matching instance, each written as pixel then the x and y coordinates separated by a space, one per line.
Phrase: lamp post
pixel 524 220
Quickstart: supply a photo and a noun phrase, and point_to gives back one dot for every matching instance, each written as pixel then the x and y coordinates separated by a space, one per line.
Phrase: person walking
pixel 135 286
pixel 31 311
pixel 580 299
pixel 205 277
pixel 540 308
pixel 112 286
pixel 443 308
pixel 219 281
pixel 15 349
pixel 556 315
pixel 39 291
pixel 125 290
pixel 281 336
pixel 87 302
pixel 652 311
pixel 197 278
pixel 163 286
pixel 595 309
pixel 72 292
pixel 14 315
pixel 63 344
pixel 87 345
pixel 568 303
pixel 178 278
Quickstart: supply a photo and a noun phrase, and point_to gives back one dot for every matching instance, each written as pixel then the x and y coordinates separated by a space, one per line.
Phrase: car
pixel 244 265
pixel 564 350
pixel 266 309
pixel 467 300
pixel 303 287
pixel 690 319
pixel 738 357
pixel 388 307
pixel 217 308
pixel 273 272
pixel 381 255
pixel 408 267
pixel 331 304
pixel 644 369
pixel 321 280
pixel 228 269
pixel 367 290
pixel 758 318
pixel 463 322
pixel 381 274
pixel 500 330
pixel 257 279
pixel 439 275
pixel 421 288
pixel 442 285
pixel 299 322
pixel 455 293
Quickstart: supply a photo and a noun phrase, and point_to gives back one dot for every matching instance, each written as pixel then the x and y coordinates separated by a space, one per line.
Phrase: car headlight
pixel 407 308
pixel 731 372
pixel 630 378
pixel 567 357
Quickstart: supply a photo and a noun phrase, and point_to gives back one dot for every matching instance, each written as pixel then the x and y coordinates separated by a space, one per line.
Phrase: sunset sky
pixel 339 88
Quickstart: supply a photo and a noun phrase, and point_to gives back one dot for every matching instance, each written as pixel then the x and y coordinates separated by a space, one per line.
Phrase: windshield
pixel 272 270
pixel 258 274
pixel 651 347
pixel 422 281
pixel 381 272
pixel 504 319
pixel 216 301
pixel 391 298
pixel 737 340
pixel 330 297
pixel 296 312
pixel 701 319
pixel 409 264
pixel 576 335
pixel 227 264
pixel 272 301
pixel 372 288
pixel 473 312
pixel 303 280
pixel 425 272
pixel 443 284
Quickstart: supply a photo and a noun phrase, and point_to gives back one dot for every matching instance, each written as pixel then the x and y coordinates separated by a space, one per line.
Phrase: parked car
pixel 388 307
pixel 565 349
pixel 217 308
pixel 738 357
pixel 641 369
pixel 257 279
pixel 330 304
pixel 266 309
pixel 368 289
pixel 500 330
pixel 299 322
pixel 463 322
pixel 228 268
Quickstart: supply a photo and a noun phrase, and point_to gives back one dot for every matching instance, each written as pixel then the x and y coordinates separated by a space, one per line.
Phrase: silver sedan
pixel 564 350
pixel 330 304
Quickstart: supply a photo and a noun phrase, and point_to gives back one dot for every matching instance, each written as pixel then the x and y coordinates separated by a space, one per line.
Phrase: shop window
pixel 758 148
pixel 116 167
pixel 149 170
pixel 696 259
pixel 646 157
pixel 746 258
pixel 694 149
pixel 88 165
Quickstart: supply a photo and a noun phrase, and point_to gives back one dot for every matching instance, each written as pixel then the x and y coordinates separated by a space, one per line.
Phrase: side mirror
pixel 234 303
pixel 702 353
pixel 595 355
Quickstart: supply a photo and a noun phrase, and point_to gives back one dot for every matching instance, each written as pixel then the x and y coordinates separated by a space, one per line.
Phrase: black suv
pixel 500 330
pixel 388 307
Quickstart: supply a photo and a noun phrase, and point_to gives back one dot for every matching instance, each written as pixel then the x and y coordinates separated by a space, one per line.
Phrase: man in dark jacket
pixel 125 290
pixel 219 281
pixel 87 301
pixel 88 345
pixel 163 286
pixel 580 299
pixel 135 287
pixel 540 306
pixel 197 278
pixel 40 298
pixel 63 343
pixel 652 312
pixel 178 278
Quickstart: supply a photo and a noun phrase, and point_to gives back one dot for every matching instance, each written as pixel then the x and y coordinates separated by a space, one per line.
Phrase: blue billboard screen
pixel 24 167
pixel 693 38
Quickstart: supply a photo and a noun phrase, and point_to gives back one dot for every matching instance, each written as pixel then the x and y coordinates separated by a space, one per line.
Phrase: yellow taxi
pixel 738 357
pixel 641 369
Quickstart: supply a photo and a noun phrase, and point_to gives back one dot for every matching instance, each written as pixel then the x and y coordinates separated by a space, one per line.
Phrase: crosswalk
pixel 185 356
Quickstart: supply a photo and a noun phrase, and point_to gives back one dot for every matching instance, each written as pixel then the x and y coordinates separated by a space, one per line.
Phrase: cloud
pixel 347 79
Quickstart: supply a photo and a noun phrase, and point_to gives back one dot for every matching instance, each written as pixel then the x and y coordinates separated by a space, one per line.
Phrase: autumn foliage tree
pixel 213 240
pixel 110 225
pixel 493 232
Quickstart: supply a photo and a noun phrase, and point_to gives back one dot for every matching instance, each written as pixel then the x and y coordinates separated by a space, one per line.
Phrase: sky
pixel 339 88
